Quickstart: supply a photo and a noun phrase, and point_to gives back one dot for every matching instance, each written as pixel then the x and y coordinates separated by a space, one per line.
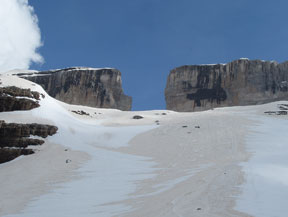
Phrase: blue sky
pixel 145 39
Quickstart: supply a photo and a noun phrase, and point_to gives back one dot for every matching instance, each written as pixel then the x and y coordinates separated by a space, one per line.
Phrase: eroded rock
pixel 8 154
pixel 14 138
pixel 19 92
pixel 25 130
pixel 17 99
pixel 101 88
pixel 241 82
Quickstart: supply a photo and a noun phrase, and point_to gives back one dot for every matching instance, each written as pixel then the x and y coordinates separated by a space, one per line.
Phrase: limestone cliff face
pixel 241 82
pixel 100 88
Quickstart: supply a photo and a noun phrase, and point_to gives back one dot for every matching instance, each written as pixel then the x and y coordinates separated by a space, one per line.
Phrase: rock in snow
pixel 14 138
pixel 13 98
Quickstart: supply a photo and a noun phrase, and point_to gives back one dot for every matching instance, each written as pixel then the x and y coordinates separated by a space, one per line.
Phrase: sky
pixel 20 35
pixel 145 39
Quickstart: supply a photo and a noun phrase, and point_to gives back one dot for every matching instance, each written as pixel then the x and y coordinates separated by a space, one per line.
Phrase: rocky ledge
pixel 14 99
pixel 241 82
pixel 15 138
pixel 101 88
pixel 8 154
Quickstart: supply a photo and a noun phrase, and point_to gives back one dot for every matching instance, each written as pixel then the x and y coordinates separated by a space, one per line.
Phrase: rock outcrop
pixel 15 99
pixel 101 88
pixel 8 154
pixel 241 82
pixel 18 135
pixel 15 138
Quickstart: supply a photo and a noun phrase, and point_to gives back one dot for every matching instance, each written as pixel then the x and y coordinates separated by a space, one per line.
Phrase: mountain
pixel 238 83
pixel 86 161
pixel 95 87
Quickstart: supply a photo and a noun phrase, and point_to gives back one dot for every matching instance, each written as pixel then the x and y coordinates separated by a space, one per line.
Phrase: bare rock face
pixel 101 88
pixel 14 99
pixel 241 82
pixel 8 154
pixel 15 138
pixel 25 130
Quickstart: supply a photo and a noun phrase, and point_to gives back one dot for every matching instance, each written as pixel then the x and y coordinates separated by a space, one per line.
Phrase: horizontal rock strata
pixel 101 88
pixel 241 82
pixel 15 99
pixel 15 138
pixel 19 92
pixel 8 154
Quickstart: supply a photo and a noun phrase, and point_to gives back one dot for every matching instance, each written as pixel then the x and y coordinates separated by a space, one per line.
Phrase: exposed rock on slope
pixel 14 98
pixel 8 154
pixel 17 135
pixel 241 82
pixel 100 88
pixel 14 138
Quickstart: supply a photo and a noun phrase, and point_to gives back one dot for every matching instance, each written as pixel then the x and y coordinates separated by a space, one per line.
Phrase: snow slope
pixel 265 191
pixel 222 162
pixel 99 172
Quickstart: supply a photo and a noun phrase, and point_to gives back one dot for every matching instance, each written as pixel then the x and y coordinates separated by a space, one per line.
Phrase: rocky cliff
pixel 241 82
pixel 14 137
pixel 15 99
pixel 100 88
pixel 18 135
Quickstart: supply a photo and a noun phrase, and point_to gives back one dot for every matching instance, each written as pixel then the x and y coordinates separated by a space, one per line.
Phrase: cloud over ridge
pixel 20 35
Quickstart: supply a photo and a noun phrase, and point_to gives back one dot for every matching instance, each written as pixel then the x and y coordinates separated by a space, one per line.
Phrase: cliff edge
pixel 240 82
pixel 101 88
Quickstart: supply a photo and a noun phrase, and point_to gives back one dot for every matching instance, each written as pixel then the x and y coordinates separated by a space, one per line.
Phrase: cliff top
pixel 21 72
pixel 224 64
pixel 80 68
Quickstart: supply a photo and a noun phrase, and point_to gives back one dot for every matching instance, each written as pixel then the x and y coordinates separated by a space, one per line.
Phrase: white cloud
pixel 20 35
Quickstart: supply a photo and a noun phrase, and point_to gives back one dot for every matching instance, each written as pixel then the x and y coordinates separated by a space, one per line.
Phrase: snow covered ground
pixel 266 188
pixel 223 162
pixel 106 177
